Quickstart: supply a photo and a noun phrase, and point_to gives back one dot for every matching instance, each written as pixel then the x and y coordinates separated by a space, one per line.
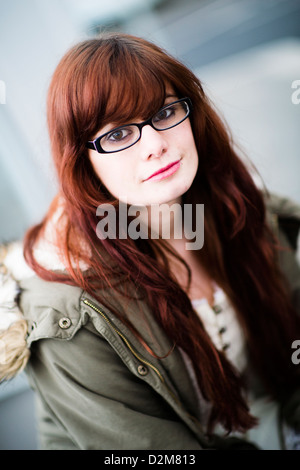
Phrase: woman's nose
pixel 153 143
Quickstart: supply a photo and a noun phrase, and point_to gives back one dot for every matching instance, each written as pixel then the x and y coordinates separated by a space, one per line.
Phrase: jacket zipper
pixel 90 304
pixel 96 309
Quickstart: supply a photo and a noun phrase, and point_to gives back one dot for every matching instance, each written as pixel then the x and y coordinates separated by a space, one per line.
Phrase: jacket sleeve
pixel 88 399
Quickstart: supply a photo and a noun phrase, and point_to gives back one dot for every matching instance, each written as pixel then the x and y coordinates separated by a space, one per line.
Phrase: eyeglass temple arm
pixel 91 145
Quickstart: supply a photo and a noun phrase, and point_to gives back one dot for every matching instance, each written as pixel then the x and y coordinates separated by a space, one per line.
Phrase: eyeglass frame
pixel 95 144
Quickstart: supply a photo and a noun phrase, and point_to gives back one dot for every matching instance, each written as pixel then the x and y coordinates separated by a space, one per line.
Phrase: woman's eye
pixel 118 135
pixel 164 114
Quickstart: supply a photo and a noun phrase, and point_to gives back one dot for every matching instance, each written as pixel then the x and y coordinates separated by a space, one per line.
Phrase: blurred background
pixel 246 52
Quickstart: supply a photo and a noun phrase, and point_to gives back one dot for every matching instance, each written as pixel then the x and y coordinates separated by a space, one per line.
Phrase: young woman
pixel 146 342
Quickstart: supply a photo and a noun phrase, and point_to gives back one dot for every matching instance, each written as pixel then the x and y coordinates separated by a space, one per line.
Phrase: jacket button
pixel 142 370
pixel 65 323
pixel 217 309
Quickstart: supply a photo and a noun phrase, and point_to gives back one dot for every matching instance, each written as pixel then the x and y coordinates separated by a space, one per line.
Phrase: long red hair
pixel 117 78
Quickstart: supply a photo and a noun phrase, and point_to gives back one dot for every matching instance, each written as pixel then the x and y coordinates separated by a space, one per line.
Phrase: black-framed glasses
pixel 123 137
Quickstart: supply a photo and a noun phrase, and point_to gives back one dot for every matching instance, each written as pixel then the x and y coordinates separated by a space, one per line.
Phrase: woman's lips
pixel 165 172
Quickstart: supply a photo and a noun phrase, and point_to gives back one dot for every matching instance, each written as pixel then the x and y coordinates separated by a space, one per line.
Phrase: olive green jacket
pixel 98 387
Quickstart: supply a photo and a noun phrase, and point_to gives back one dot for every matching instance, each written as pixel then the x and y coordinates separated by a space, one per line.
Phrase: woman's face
pixel 128 174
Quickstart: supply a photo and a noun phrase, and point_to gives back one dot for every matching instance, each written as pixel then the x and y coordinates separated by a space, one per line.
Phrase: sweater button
pixel 65 323
pixel 142 370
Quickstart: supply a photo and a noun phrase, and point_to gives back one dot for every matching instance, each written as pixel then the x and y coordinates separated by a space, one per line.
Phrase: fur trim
pixel 14 352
